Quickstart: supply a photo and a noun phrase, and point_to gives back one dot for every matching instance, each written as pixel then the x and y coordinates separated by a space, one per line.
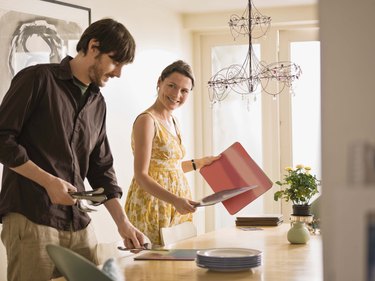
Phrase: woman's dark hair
pixel 180 67
pixel 112 37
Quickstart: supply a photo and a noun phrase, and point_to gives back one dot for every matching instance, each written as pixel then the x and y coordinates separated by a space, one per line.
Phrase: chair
pixel 173 234
pixel 73 266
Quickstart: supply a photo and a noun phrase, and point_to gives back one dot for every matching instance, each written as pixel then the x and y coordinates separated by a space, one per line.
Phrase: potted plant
pixel 298 186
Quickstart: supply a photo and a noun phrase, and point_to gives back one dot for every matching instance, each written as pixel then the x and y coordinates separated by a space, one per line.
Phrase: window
pixel 300 114
pixel 237 118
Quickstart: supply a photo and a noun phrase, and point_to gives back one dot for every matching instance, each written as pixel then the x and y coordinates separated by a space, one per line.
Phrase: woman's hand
pixel 184 206
pixel 206 161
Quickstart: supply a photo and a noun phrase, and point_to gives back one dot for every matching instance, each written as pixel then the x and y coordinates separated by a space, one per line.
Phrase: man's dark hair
pixel 112 37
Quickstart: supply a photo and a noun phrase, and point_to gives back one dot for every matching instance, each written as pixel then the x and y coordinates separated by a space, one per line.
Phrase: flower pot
pixel 298 234
pixel 301 210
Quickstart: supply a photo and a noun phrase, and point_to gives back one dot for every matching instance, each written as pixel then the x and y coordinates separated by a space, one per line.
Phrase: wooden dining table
pixel 280 259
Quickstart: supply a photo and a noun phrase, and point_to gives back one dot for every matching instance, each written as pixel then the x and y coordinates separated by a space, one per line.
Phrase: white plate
pixel 226 269
pixel 223 195
pixel 230 259
pixel 255 264
pixel 228 264
pixel 229 253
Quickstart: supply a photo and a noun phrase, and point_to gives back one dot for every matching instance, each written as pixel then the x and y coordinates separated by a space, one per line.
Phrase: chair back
pixel 173 234
pixel 73 266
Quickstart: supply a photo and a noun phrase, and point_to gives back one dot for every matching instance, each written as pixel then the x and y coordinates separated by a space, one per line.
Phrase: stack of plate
pixel 229 259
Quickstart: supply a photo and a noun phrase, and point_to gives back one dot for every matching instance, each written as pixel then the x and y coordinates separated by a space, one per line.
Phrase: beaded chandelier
pixel 244 79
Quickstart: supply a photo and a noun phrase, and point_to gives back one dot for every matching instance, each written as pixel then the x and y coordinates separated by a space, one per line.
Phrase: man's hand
pixel 133 238
pixel 57 191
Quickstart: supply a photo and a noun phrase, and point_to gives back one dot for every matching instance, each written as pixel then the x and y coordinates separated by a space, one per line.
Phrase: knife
pixel 223 195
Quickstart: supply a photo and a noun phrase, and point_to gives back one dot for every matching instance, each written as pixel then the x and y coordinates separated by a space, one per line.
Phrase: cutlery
pixel 93 198
pixel 99 190
pixel 223 195
pixel 89 198
pixel 96 195
pixel 147 247
pixel 83 206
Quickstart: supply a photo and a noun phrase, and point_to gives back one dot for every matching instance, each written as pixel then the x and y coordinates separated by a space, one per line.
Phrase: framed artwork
pixel 37 31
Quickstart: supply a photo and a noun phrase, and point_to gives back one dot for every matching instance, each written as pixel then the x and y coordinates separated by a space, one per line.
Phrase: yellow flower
pixel 298 186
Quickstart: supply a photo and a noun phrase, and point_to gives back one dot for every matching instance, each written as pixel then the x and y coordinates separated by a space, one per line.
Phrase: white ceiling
pixel 204 6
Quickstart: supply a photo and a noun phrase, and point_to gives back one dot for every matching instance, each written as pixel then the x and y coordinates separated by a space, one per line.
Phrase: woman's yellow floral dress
pixel 147 212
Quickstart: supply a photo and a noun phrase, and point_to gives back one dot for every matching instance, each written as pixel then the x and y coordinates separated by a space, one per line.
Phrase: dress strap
pixel 177 128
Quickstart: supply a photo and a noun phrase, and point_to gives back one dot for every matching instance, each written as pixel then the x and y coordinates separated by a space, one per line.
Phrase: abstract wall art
pixel 37 31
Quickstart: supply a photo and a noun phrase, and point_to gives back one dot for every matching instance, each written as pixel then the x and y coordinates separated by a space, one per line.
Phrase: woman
pixel 159 195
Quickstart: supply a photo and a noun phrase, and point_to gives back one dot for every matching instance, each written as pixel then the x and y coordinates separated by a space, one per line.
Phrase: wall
pixel 160 39
pixel 159 42
pixel 347 45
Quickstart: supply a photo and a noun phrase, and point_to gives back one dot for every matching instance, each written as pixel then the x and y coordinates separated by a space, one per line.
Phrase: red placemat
pixel 234 169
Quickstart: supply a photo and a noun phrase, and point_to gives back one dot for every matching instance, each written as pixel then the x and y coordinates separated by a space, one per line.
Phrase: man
pixel 52 137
